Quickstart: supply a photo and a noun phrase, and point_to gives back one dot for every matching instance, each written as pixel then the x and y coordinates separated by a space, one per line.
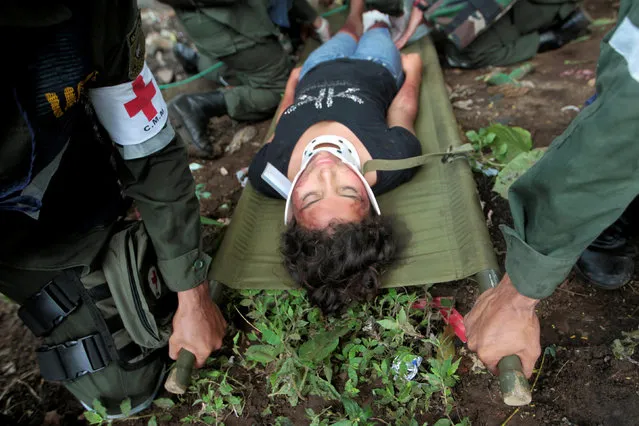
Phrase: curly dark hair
pixel 342 263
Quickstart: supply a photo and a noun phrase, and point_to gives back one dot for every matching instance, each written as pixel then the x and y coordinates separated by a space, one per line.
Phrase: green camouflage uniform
pixel 588 176
pixel 513 36
pixel 83 199
pixel 242 35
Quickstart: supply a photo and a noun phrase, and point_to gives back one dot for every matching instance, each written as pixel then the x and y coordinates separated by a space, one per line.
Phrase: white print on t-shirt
pixel 325 93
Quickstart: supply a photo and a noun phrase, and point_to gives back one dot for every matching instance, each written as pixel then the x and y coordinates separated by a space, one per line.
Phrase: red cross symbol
pixel 142 102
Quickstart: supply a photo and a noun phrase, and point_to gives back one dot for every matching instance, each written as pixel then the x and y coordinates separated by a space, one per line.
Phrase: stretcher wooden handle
pixel 180 377
pixel 515 389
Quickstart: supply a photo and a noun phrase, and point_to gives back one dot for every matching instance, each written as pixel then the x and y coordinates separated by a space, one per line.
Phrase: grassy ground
pixel 354 365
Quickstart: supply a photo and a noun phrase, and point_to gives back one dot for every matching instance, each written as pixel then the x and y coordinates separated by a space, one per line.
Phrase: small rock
pixel 165 75
pixel 449 89
pixel 465 105
pixel 159 56
pixel 148 16
pixel 223 171
pixel 241 137
pixel 52 418
pixel 169 35
pixel 154 42
pixel 489 218
pixel 461 91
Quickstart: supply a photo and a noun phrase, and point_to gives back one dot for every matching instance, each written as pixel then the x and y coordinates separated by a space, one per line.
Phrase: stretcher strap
pixel 452 154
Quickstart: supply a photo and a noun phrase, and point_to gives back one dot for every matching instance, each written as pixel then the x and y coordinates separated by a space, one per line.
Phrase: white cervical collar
pixel 342 149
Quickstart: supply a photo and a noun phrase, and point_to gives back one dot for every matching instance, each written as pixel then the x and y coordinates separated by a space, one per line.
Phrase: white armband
pixel 131 112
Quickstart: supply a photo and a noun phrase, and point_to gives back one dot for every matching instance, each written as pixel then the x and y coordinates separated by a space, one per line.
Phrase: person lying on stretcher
pixel 355 99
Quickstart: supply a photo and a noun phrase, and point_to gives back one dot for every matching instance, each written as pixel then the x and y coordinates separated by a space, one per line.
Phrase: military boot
pixel 574 26
pixel 609 262
pixel 187 57
pixel 192 113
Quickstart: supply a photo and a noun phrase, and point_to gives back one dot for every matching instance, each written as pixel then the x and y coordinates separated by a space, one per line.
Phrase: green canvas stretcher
pixel 439 206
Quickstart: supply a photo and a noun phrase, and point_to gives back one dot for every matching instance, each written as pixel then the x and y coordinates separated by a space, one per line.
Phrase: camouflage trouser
pixel 258 77
pixel 263 71
pixel 514 38
pixel 259 63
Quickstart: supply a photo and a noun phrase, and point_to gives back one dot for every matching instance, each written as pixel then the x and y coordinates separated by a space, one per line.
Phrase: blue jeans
pixel 375 45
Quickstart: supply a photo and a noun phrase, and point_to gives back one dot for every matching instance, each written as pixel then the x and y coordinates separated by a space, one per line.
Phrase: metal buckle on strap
pixel 43 311
pixel 73 359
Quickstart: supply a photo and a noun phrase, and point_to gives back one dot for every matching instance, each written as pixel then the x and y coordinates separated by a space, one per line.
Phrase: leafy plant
pixel 289 334
pixel 218 393
pixel 304 354
pixel 514 170
pixel 98 415
pixel 200 191
pixel 502 151
pixel 625 348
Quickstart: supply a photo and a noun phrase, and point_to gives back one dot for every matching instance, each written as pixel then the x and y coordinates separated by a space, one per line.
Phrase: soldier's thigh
pixel 91 338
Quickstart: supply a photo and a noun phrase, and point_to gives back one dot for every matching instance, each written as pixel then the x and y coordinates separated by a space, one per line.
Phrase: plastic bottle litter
pixel 242 176
pixel 412 363
pixel 195 166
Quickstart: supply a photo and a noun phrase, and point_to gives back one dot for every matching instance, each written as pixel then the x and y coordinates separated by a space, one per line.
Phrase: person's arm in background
pixel 403 110
pixel 415 20
pixel 584 182
pixel 155 173
pixel 288 98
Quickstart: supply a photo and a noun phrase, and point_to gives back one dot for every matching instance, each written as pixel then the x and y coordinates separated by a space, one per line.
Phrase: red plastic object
pixel 449 314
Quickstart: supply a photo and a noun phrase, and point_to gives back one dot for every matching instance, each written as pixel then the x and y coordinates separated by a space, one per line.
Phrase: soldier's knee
pixel 469 58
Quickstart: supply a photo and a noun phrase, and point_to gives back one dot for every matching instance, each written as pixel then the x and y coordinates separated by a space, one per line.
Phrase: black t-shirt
pixel 355 93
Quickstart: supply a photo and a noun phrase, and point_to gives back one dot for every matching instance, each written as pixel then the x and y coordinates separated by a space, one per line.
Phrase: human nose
pixel 328 179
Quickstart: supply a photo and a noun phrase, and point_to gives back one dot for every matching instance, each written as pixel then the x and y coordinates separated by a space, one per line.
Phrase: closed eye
pixel 308 196
pixel 310 204
pixel 350 192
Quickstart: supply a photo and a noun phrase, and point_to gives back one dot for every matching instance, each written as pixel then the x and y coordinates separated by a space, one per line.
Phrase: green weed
pixel 624 348
pixel 98 416
pixel 301 354
pixel 504 152
pixel 367 351
pixel 201 192
pixel 218 393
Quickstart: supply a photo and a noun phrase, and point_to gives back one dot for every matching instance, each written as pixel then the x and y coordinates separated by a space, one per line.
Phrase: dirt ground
pixel 582 385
